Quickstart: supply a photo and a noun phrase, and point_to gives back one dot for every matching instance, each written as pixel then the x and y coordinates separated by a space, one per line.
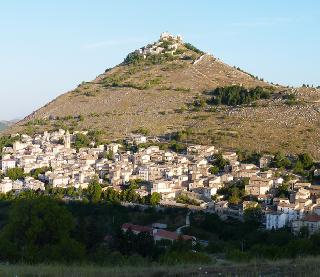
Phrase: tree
pixel 94 191
pixel 306 160
pixel 155 198
pixel 214 169
pixel 253 214
pixel 81 140
pixel 15 173
pixel 38 230
pixel 220 162
pixel 283 190
pixel 235 196
pixel 281 161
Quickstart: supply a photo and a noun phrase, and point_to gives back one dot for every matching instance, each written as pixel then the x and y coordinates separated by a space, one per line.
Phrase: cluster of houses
pixel 165 172
pixel 160 47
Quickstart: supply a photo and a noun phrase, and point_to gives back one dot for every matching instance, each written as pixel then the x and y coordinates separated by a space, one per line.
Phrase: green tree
pixel 94 191
pixel 214 169
pixel 81 140
pixel 15 173
pixel 219 161
pixel 155 198
pixel 38 230
pixel 281 161
pixel 253 214
pixel 306 160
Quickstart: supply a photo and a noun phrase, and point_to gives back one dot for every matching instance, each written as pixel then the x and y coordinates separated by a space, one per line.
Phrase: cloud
pixel 116 42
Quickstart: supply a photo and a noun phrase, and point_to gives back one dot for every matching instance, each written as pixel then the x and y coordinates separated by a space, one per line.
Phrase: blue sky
pixel 49 47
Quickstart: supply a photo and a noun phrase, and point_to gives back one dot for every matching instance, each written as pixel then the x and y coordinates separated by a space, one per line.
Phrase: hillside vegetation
pixel 183 88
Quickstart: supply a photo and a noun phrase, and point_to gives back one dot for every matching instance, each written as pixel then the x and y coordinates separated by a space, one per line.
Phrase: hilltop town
pixel 200 177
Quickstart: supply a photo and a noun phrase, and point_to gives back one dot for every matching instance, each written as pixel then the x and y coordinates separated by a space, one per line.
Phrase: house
pixel 138 139
pixel 266 174
pixel 276 220
pixel 157 233
pixel 221 207
pixel 256 189
pixel 6 185
pixel 311 222
pixel 258 186
pixel 265 161
pixel 245 173
pixel 7 164
pixel 136 229
pixel 162 186
pixel 230 156
pixel 160 234
pixel 292 210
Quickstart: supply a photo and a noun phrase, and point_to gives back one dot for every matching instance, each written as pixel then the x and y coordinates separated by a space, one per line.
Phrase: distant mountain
pixel 5 124
pixel 166 86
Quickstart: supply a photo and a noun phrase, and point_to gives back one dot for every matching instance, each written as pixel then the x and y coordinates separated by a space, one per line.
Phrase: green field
pixel 297 267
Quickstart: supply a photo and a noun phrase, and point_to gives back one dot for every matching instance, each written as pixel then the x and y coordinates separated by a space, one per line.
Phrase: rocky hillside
pixel 169 86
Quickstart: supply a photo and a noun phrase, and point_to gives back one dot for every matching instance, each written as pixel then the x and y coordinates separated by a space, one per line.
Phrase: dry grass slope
pixel 159 97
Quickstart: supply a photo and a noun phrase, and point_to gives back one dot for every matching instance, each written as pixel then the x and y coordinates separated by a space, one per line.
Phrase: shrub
pixel 237 95
pixel 193 48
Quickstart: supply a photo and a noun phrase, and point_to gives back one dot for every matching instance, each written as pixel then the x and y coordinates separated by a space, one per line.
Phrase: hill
pixel 169 86
pixel 5 124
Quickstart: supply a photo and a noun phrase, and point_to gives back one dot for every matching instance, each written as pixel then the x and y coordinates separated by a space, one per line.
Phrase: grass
pixel 308 266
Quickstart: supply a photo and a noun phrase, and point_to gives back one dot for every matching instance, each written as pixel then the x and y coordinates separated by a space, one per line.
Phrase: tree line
pixel 237 95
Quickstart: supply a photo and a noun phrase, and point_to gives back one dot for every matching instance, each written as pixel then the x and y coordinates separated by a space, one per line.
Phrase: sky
pixel 48 47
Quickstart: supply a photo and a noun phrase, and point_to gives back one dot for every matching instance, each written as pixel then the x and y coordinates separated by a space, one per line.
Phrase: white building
pixel 7 164
pixel 276 220
pixel 6 185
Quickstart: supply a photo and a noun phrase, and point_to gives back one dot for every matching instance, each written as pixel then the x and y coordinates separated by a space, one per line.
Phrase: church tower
pixel 67 140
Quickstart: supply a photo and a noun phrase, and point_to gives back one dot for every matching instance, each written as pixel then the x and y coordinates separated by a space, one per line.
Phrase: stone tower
pixel 67 140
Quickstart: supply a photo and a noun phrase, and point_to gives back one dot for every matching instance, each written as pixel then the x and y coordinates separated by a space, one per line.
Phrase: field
pixel 298 267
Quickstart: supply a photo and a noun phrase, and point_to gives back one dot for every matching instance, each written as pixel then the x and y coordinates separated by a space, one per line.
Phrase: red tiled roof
pixel 170 235
pixel 311 218
pixel 136 228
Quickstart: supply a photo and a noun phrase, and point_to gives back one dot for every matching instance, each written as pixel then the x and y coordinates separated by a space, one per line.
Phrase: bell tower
pixel 67 140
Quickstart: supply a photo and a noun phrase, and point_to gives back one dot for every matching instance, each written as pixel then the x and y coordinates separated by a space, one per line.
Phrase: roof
pixel 136 228
pixel 170 235
pixel 311 218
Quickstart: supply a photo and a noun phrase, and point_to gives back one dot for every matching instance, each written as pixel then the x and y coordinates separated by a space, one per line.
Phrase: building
pixel 136 229
pixel 265 161
pixel 311 222
pixel 6 185
pixel 276 220
pixel 7 164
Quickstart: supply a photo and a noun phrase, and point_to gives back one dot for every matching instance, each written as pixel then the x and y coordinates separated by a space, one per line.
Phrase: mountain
pixel 165 87
pixel 5 124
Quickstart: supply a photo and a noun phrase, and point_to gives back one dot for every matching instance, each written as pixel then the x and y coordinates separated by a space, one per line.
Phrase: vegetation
pixel 39 230
pixel 237 95
pixel 290 99
pixel 219 162
pixel 193 48
pixel 234 191
pixel 81 140
pixel 142 131
pixel 15 173
pixel 185 199
pixel 7 141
